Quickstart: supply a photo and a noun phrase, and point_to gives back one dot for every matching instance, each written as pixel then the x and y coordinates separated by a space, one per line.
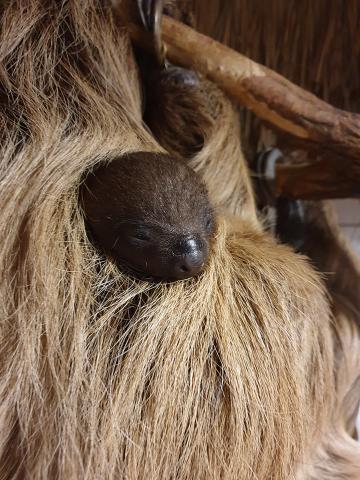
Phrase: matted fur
pixel 225 376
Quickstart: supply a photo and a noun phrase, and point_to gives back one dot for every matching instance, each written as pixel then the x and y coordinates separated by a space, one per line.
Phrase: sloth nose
pixel 191 254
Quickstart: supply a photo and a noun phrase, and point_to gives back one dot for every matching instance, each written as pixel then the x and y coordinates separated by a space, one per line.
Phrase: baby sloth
pixel 151 213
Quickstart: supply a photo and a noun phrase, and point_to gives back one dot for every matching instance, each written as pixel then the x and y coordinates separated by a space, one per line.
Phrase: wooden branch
pixel 274 99
pixel 325 178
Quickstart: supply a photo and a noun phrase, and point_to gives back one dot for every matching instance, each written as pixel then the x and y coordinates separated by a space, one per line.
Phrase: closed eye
pixel 138 234
pixel 141 236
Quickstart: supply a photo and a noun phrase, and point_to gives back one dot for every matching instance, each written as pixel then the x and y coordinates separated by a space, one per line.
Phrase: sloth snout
pixel 191 254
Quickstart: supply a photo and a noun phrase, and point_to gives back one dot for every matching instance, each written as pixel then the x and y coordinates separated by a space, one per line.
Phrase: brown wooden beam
pixel 325 178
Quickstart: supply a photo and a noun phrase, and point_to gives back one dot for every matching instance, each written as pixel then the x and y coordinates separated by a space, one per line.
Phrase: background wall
pixel 349 218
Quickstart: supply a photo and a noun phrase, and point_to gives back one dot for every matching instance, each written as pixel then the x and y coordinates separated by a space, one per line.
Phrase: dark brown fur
pixel 177 109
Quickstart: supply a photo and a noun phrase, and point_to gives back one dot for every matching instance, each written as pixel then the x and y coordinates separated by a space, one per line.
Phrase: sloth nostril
pixel 189 265
pixel 184 268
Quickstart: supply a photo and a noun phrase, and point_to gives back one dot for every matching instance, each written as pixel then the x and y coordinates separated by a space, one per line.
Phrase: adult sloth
pixel 102 376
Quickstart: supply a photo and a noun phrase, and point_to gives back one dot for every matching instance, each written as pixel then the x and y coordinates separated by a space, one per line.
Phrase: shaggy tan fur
pixel 338 454
pixel 102 377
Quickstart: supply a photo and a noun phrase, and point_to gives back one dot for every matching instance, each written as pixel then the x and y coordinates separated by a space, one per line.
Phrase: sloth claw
pixel 290 213
pixel 290 222
pixel 151 14
pixel 146 10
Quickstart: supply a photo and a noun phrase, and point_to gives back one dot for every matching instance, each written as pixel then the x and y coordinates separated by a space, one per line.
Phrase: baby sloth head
pixel 151 213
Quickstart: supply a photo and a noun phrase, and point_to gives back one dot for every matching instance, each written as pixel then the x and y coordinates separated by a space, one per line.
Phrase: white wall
pixel 349 219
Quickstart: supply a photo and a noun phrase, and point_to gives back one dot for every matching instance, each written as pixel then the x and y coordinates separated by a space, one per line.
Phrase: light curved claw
pixel 151 15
